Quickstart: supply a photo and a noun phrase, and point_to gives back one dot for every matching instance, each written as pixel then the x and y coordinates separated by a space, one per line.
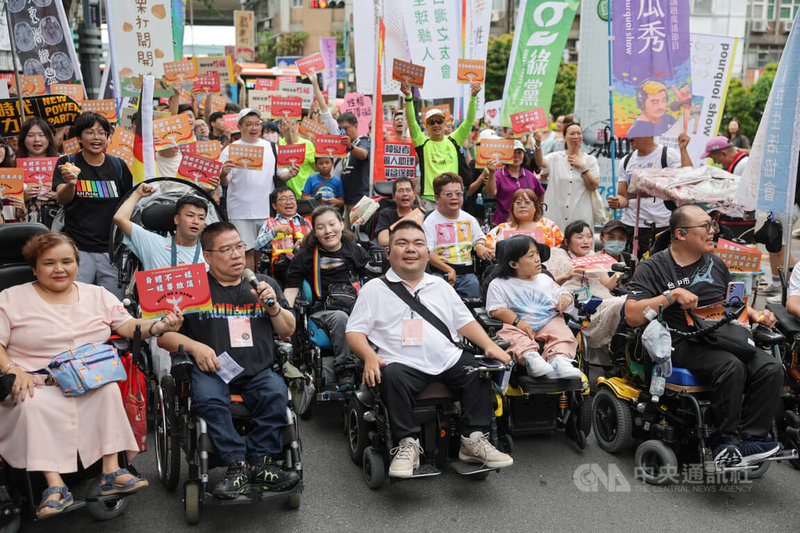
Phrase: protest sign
pixel 403 71
pixel 399 161
pixel 244 25
pixel 266 84
pixel 740 260
pixel 184 70
pixel 536 234
pixel 291 154
pixel 285 79
pixel 12 183
pixel 207 84
pixel 361 106
pixel 246 156
pixel 106 108
pixel 434 40
pixel 310 64
pixel 302 90
pixel 528 121
pixel 330 145
pixel 494 150
pixel 199 170
pixel 207 149
pixel 121 145
pixel 415 216
pixel 57 109
pixel 219 65
pixel 445 109
pixel 286 107
pixel 31 85
pixel 231 122
pixel 181 288
pixel 71 146
pixel 172 131
pixel 218 101
pixel 594 262
pixel 259 100
pixel 38 171
pixel 492 112
pixel 327 50
pixel 73 90
pixel 310 129
pixel 470 70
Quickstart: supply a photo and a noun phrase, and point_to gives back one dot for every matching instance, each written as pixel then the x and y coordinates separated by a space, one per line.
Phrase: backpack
pixel 463 168
pixel 58 219
pixel 627 159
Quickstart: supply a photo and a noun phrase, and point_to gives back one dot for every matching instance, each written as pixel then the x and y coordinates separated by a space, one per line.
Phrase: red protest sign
pixel 537 234
pixel 594 262
pixel 399 161
pixel 246 156
pixel 207 84
pixel 403 71
pixel 310 129
pixel 529 121
pixel 291 154
pixel 286 107
pixel 470 70
pixel 38 171
pixel 181 288
pixel 330 145
pixel 286 79
pixel 107 108
pixel 12 183
pixel 231 122
pixel 199 170
pixel 310 64
pixel 266 84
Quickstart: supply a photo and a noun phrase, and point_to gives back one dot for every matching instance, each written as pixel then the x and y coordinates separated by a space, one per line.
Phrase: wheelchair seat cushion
pixel 318 335
pixel 681 376
pixel 159 217
pixel 435 391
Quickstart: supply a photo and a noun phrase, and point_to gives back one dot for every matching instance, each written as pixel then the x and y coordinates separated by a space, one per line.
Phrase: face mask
pixel 615 247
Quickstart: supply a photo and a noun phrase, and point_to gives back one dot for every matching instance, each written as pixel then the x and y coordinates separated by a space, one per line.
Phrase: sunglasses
pixel 435 121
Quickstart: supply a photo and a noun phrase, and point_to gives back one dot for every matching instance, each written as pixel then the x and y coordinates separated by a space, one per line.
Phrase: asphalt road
pixel 538 493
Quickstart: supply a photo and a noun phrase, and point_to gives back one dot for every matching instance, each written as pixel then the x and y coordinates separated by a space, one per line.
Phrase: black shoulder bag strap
pixel 419 308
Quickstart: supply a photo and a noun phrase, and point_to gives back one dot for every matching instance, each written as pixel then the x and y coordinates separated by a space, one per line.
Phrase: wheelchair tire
pixel 759 471
pixel 12 526
pixel 357 430
pixel 191 502
pixel 294 501
pixel 107 509
pixel 611 419
pixel 373 468
pixel 167 436
pixel 656 462
pixel 585 415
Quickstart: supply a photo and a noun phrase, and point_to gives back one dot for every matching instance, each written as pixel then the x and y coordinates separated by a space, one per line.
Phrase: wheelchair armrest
pixel 787 323
pixel 503 344
pixel 182 364
pixel 472 302
pixel 122 344
pixel 764 336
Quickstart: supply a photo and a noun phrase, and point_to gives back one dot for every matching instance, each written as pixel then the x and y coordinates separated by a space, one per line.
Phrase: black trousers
pixel 401 384
pixel 646 236
pixel 744 396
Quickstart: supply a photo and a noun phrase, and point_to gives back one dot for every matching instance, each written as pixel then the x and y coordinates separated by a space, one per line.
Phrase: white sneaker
pixel 477 449
pixel 536 366
pixel 563 368
pixel 406 458
pixel 778 298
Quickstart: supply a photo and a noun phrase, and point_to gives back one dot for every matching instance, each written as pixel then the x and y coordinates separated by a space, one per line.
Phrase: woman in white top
pixel 573 177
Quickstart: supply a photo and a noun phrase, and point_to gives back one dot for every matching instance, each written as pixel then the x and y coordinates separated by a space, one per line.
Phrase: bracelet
pixel 516 321
pixel 584 171
pixel 152 324
pixel 409 98
pixel 8 367
pixel 276 314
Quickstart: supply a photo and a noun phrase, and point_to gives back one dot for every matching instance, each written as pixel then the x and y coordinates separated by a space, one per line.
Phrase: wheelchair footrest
pixel 330 395
pixel 255 496
pixel 426 470
pixel 466 469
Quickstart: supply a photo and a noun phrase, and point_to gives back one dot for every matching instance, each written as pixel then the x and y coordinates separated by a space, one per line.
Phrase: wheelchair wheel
pixel 759 471
pixel 12 526
pixel 656 462
pixel 106 509
pixel 585 414
pixel 294 501
pixel 168 449
pixel 357 430
pixel 191 502
pixel 611 419
pixel 373 468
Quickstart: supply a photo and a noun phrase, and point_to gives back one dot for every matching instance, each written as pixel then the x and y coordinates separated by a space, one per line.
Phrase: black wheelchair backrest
pixel 13 268
pixel 384 188
pixel 159 217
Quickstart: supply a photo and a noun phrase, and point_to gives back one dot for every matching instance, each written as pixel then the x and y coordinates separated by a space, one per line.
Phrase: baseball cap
pixel 714 144
pixel 487 134
pixel 433 113
pixel 246 112
pixel 611 225
pixel 518 145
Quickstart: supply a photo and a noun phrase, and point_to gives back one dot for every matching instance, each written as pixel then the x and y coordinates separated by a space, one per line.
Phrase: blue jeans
pixel 467 285
pixel 266 398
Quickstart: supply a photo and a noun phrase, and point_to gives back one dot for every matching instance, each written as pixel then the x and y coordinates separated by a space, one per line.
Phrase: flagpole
pixel 611 104
pixel 375 110
pixel 14 61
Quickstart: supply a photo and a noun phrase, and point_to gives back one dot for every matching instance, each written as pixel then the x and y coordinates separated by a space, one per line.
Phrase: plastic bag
pixel 363 211
pixel 658 343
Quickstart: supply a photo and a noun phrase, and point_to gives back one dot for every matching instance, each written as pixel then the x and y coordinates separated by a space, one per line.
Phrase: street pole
pixel 90 47
pixel 14 62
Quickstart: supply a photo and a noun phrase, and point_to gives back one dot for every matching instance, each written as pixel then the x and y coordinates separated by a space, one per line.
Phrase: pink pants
pixel 557 337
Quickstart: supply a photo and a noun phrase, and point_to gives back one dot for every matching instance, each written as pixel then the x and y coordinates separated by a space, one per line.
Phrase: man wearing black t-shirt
pixel 403 196
pixel 241 324
pixel 355 166
pixel 686 276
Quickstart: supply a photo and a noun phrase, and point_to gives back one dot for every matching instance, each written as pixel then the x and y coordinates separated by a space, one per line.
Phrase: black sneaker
pixel 727 454
pixel 269 476
pixel 235 484
pixel 756 450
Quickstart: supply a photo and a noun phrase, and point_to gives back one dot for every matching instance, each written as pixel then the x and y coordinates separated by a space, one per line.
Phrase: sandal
pixel 50 508
pixel 107 486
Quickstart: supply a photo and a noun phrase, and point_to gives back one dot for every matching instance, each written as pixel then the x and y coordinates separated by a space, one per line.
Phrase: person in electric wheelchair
pixel 412 352
pixel 684 277
pixel 281 235
pixel 241 325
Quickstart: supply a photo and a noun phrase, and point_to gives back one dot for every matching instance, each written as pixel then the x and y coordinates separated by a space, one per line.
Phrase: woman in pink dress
pixel 40 428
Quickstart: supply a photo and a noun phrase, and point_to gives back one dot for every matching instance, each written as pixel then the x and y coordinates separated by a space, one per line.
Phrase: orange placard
pixel 444 107
pixel 12 183
pixel 71 146
pixel 170 132
pixel 31 85
pixel 715 311
pixel 410 73
pixel 310 129
pixel 73 90
pixel 246 156
pixel 106 108
pixel 209 149
pixel 218 101
pixel 121 145
pixel 181 288
pixel 219 65
pixel 740 260
pixel 184 70
pixel 470 70
pixel 496 150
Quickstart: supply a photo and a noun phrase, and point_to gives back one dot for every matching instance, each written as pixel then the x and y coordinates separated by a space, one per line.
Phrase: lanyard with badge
pixel 174 250
pixel 412 328
pixel 240 332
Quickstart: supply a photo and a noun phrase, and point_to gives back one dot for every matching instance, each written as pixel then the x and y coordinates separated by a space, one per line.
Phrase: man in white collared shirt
pixel 413 353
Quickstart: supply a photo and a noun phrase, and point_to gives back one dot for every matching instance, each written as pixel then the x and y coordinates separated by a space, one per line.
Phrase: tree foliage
pixel 497 64
pixel 269 45
pixel 564 93
pixel 746 104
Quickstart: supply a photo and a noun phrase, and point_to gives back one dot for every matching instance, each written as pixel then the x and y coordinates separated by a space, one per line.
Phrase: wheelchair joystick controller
pixel 249 277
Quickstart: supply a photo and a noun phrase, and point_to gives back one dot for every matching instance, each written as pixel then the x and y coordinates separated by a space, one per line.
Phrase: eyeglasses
pixel 434 121
pixel 95 134
pixel 451 195
pixel 285 199
pixel 228 250
pixel 521 203
pixel 710 226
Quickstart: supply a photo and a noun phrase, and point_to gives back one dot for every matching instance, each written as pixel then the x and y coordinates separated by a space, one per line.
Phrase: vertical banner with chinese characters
pixel 140 38
pixel 327 49
pixel 539 39
pixel 395 43
pixel 433 30
pixel 477 16
pixel 245 35
pixel 43 41
pixel 651 68
pixel 769 181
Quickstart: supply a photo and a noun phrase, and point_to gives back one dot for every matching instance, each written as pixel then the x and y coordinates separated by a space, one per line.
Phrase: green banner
pixel 541 32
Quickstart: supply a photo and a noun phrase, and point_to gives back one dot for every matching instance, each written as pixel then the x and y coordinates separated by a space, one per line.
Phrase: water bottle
pixel 657 382
pixel 479 199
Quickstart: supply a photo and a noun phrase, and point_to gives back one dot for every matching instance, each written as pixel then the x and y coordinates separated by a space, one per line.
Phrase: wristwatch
pixel 668 296
pixel 516 321
pixel 409 98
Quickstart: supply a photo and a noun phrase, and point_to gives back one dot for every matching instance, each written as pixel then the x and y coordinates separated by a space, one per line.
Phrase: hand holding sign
pixel 200 171
pixel 182 288
pixel 494 151
pixel 170 132
pixel 409 73
pixel 471 70
pixel 246 156
pixel 291 154
pixel 12 183
pixel 528 121
pixel 286 107
pixel 207 84
pixel 331 145
pixel 310 65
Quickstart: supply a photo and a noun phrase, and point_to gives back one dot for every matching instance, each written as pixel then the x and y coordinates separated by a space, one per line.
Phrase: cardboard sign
pixel 207 149
pixel 445 109
pixel 38 171
pixel 302 90
pixel 496 150
pixel 244 26
pixel 71 146
pixel 310 129
pixel 399 161
pixel 285 79
pixel 12 183
pixel 73 90
pixel 246 156
pixel 730 245
pixel 310 65
pixel 181 288
pixel 219 65
pixel 106 108
pixel 266 84
pixel 231 122
pixel 57 109
pixel 403 71
pixel 170 132
pixel 31 85
pixel 259 100
pixel 207 84
pixel 121 145
pixel 180 71
pixel 199 170
pixel 742 261
pixel 291 154
pixel 470 70
pixel 330 145
pixel 416 216
pixel 529 121
pixel 286 107
pixel 594 262
pixel 536 234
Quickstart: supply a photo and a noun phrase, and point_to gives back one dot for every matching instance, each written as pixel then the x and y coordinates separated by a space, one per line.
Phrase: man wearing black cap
pixel 615 238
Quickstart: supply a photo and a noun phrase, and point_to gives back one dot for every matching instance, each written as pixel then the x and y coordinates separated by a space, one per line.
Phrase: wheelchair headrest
pixel 306 205
pixel 159 217
pixel 13 237
pixel 544 250
pixel 384 188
